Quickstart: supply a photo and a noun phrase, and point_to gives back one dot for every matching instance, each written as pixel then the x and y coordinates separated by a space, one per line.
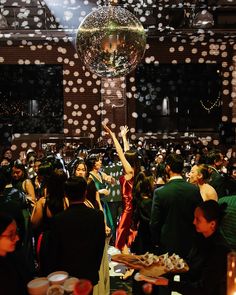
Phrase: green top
pixel 228 224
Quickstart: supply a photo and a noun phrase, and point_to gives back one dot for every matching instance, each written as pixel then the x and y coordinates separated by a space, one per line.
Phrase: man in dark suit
pixel 172 212
pixel 77 237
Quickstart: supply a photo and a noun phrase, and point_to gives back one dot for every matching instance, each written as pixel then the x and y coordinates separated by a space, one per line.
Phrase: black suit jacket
pixel 76 242
pixel 219 183
pixel 172 216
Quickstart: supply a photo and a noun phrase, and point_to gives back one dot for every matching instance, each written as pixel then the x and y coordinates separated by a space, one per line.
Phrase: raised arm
pixel 123 132
pixel 29 190
pixel 126 165
pixel 37 214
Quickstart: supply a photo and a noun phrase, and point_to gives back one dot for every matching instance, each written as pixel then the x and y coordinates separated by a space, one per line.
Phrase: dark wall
pixel 82 91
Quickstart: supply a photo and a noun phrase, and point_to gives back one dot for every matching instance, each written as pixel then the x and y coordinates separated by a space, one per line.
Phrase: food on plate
pixel 152 265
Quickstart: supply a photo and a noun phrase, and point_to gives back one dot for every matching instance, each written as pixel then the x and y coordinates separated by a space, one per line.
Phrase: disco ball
pixel 111 41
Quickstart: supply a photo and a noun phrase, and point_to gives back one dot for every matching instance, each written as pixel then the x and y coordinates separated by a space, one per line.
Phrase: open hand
pixel 124 130
pixel 104 192
pixel 107 129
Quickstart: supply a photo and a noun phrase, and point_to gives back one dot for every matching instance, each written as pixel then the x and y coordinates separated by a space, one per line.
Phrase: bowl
pixel 55 290
pixel 57 277
pixel 38 286
pixel 69 284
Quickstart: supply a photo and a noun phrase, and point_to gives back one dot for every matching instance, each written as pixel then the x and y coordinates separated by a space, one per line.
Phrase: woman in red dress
pixel 131 165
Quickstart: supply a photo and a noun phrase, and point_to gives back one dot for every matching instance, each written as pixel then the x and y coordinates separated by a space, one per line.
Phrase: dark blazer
pixel 76 242
pixel 172 216
pixel 219 183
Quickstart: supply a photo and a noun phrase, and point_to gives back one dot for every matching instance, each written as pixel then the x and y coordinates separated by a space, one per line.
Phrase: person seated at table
pixel 14 273
pixel 208 259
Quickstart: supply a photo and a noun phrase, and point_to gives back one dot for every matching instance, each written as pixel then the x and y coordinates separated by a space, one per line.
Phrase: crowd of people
pixel 55 215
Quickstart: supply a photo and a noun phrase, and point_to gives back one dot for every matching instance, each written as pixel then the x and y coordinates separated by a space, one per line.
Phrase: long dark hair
pixel 19 165
pixel 76 164
pixel 133 158
pixel 5 220
pixel 143 188
pixel 55 191
pixel 144 185
pixel 91 160
pixel 160 171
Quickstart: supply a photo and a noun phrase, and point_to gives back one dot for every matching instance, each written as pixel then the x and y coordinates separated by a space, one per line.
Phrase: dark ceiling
pixel 159 17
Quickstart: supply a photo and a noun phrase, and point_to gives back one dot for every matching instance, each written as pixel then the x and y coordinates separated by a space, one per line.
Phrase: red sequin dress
pixel 124 234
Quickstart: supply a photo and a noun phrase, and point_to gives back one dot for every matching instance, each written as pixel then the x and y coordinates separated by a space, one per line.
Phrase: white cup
pixel 69 284
pixel 57 277
pixel 38 286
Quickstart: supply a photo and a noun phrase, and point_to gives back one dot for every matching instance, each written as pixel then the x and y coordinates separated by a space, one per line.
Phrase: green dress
pixel 107 213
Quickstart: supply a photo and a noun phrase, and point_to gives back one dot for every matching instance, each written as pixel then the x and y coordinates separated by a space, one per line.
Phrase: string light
pixel 209 108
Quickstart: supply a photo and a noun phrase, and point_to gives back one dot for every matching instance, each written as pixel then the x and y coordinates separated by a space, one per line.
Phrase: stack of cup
pixel 38 286
pixel 56 280
pixel 69 285
pixel 57 277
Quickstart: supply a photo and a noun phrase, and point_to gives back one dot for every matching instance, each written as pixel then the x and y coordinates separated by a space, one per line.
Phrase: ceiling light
pixel 203 19
pixel 3 22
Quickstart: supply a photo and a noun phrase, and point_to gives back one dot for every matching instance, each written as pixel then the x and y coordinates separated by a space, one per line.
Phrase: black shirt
pixel 208 268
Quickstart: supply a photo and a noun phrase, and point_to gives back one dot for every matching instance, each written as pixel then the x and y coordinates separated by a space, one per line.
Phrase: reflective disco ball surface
pixel 111 41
